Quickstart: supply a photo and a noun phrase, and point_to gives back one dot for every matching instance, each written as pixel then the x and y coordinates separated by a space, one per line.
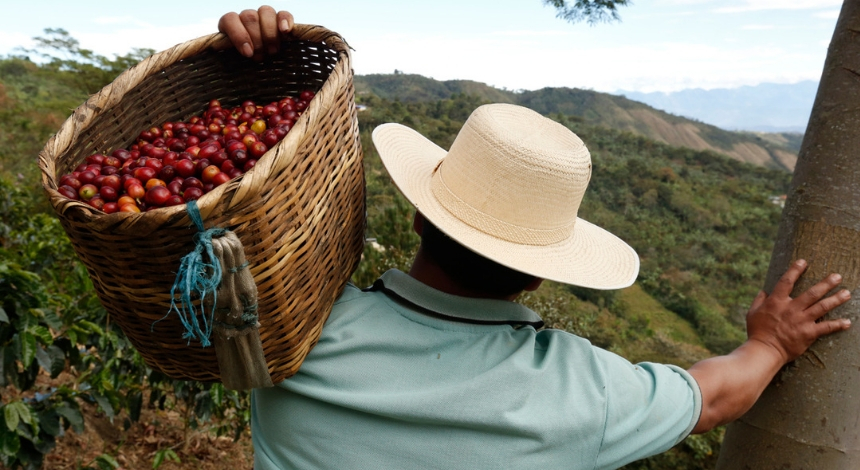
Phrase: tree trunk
pixel 809 416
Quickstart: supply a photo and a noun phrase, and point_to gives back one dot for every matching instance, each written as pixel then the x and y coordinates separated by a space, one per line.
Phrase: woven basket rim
pixel 238 189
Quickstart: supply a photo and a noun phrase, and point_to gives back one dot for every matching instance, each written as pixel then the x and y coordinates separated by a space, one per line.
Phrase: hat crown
pixel 515 174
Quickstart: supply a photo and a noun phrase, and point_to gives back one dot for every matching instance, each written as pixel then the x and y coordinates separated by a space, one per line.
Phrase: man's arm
pixel 779 329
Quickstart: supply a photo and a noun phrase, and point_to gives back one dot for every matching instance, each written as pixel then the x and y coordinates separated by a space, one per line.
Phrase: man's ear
pixel 418 223
pixel 533 285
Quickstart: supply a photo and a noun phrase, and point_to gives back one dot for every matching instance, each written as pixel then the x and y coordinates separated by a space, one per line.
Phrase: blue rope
pixel 197 278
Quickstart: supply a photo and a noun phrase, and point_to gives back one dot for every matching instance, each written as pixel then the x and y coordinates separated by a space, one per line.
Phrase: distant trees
pixel 592 11
pixel 91 71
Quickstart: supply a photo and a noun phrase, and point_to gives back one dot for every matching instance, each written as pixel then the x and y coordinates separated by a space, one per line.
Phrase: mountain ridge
pixel 597 108
pixel 767 107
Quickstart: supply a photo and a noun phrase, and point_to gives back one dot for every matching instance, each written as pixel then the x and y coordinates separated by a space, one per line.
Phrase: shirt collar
pixel 453 307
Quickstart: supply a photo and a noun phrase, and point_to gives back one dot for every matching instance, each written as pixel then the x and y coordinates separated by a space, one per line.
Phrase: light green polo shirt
pixel 408 377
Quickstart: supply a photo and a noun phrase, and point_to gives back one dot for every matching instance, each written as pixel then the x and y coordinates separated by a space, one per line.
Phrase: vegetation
pixel 701 222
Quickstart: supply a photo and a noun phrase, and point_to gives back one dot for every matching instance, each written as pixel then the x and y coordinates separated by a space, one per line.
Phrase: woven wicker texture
pixel 299 212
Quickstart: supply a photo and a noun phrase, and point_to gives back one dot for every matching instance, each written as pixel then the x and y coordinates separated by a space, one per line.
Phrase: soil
pixel 136 447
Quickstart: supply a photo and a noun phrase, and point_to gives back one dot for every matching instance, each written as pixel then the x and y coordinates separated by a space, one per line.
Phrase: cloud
pixel 122 34
pixel 499 61
pixel 103 20
pixel 10 41
pixel 531 33
pixel 122 21
pixel 827 15
pixel 758 5
pixel 682 2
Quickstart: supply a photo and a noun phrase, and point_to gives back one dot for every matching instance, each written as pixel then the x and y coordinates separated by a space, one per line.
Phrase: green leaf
pixel 104 402
pixel 23 411
pixel 106 462
pixel 10 413
pixel 90 327
pixel 17 412
pixel 135 403
pixel 10 444
pixel 3 317
pixel 58 360
pixel 43 358
pixel 73 416
pixel 25 431
pixel 43 333
pixel 158 460
pixel 172 456
pixel 27 348
pixel 217 393
pixel 49 422
pixel 52 320
pixel 3 369
pixel 162 454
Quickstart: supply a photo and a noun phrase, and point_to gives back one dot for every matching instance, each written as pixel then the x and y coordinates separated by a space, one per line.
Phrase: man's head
pixel 509 189
pixel 469 270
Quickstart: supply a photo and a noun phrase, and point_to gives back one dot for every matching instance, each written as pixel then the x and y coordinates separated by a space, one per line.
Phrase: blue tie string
pixel 197 278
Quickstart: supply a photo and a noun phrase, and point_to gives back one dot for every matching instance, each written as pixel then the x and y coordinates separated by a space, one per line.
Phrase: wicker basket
pixel 299 212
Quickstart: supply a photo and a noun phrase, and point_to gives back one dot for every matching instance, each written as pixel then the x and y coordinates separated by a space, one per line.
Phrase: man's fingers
pixel 821 308
pixel 251 22
pixel 818 291
pixel 256 32
pixel 832 326
pixel 786 283
pixel 268 21
pixel 285 22
pixel 231 25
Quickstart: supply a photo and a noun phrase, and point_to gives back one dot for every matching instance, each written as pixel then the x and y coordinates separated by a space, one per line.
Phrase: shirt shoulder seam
pixel 605 415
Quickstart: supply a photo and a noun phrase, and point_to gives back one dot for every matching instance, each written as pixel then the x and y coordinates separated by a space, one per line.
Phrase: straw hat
pixel 509 189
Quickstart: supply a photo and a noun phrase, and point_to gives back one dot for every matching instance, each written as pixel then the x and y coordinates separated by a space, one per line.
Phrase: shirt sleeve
pixel 649 408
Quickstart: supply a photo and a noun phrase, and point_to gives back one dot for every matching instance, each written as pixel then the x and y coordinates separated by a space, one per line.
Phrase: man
pixel 440 369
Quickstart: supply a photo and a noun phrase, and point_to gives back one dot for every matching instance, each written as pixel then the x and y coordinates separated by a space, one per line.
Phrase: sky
pixel 659 45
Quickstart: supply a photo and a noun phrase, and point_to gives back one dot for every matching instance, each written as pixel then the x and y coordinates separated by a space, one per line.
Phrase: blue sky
pixel 660 45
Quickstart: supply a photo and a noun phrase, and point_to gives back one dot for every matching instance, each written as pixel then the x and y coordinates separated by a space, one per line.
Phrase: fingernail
pixel 285 26
pixel 801 262
pixel 846 322
pixel 835 278
pixel 247 50
pixel 844 294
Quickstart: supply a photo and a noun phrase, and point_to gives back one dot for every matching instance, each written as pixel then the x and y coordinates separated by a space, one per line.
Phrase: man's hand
pixel 779 329
pixel 256 32
pixel 789 325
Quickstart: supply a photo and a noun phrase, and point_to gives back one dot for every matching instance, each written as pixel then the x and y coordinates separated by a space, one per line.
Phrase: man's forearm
pixel 731 384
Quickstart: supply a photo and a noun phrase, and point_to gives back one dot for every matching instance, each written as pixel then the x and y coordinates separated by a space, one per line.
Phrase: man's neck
pixel 426 271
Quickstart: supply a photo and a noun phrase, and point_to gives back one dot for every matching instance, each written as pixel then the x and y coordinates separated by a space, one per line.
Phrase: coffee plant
pixel 59 351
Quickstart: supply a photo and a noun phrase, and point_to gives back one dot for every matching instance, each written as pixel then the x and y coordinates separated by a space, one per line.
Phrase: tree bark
pixel 809 416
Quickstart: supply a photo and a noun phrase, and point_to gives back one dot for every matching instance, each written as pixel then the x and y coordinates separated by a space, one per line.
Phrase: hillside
pixel 595 108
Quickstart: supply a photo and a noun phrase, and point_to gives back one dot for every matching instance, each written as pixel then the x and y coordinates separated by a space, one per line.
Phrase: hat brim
pixel 591 257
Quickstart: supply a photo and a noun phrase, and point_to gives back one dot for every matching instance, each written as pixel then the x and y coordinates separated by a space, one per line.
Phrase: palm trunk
pixel 809 417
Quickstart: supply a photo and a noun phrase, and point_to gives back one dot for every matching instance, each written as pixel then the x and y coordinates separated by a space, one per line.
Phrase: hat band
pixel 491 225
